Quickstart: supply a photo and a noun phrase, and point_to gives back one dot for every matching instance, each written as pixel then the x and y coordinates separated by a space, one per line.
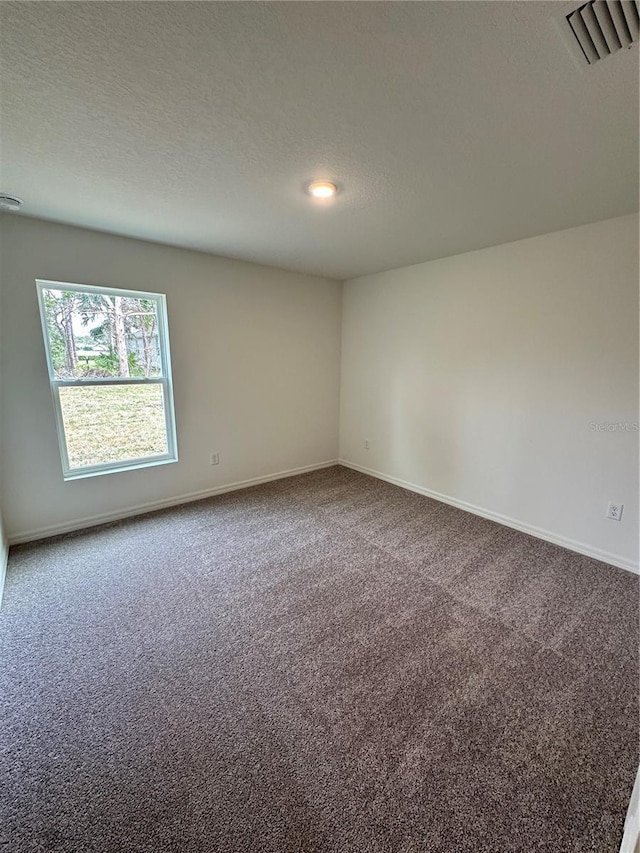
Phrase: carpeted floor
pixel 325 664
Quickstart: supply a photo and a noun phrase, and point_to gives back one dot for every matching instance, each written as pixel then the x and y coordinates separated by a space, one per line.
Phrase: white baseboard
pixel 4 556
pixel 631 837
pixel 539 532
pixel 140 509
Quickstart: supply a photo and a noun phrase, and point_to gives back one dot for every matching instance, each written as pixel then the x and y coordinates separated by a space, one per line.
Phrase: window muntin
pixel 110 372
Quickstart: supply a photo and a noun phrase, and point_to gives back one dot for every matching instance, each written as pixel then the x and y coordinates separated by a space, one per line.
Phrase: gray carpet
pixel 326 664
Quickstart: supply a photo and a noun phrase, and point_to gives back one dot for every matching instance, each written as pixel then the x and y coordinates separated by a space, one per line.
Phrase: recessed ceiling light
pixel 10 202
pixel 322 189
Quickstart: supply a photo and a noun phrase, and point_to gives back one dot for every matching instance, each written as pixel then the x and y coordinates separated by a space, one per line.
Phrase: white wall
pixel 4 546
pixel 255 353
pixel 477 377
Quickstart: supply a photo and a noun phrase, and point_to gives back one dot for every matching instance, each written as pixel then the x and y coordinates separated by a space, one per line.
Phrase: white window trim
pixel 165 380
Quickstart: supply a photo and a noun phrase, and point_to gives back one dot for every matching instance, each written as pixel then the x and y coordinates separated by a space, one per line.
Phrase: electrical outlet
pixel 366 445
pixel 215 458
pixel 614 511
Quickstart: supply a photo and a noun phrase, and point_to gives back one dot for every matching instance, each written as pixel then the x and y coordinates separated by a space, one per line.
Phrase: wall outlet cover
pixel 614 511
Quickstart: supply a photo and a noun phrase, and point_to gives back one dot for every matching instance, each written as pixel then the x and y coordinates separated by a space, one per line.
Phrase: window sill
pixel 97 471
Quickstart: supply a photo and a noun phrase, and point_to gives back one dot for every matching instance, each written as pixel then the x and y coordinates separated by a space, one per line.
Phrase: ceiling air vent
pixel 602 27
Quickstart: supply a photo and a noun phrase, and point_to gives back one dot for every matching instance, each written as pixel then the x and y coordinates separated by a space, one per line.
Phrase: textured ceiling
pixel 448 126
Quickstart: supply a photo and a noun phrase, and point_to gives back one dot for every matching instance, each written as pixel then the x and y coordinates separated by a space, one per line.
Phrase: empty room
pixel 319 365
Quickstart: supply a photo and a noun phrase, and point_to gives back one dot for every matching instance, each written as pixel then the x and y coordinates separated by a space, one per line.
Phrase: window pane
pixel 100 335
pixel 113 423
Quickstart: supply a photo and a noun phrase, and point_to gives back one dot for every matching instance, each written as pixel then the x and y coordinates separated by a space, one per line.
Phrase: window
pixel 110 372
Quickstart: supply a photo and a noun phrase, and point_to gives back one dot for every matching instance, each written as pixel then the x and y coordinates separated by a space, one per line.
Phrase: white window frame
pixel 164 380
